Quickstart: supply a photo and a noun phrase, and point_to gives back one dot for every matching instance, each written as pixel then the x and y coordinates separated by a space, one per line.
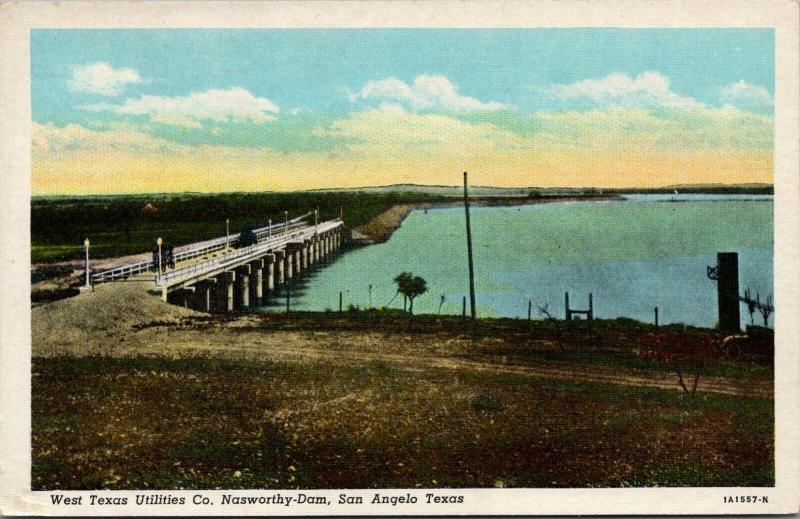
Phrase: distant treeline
pixel 130 224
pixel 708 190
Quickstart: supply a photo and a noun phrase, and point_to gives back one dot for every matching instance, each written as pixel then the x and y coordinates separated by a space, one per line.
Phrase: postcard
pixel 399 258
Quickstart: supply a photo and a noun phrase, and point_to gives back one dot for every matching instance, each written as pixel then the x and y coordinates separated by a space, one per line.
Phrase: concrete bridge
pixel 214 277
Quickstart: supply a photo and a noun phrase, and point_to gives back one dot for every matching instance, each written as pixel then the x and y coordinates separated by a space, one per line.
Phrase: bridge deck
pixel 204 266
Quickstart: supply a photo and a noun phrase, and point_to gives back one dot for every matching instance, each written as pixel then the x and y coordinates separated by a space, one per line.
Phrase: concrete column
pixel 269 261
pixel 279 262
pixel 229 306
pixel 289 263
pixel 298 263
pixel 259 282
pixel 244 285
pixel 206 293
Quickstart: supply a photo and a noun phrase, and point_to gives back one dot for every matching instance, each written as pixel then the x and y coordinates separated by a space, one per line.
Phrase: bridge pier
pixel 203 299
pixel 269 266
pixel 257 281
pixel 279 262
pixel 289 265
pixel 243 285
pixel 225 281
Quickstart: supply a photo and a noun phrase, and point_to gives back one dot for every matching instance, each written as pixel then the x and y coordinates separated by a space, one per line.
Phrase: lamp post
pixel 227 234
pixel 88 274
pixel 159 241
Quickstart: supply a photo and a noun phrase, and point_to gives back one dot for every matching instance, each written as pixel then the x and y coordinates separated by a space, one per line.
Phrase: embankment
pixel 380 228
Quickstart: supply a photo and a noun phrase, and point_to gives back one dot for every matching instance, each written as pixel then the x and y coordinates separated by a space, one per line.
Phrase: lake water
pixel 633 255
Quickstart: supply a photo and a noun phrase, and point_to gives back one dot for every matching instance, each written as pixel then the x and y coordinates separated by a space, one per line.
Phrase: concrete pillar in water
pixel 269 267
pixel 243 285
pixel 728 291
pixel 289 265
pixel 298 265
pixel 279 259
pixel 257 280
pixel 229 280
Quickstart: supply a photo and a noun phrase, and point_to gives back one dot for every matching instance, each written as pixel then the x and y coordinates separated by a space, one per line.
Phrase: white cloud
pixel 426 93
pixel 234 104
pixel 49 138
pixel 648 89
pixel 745 94
pixel 102 78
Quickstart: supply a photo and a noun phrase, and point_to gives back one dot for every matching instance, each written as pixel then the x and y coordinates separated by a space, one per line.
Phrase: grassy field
pixel 117 226
pixel 332 400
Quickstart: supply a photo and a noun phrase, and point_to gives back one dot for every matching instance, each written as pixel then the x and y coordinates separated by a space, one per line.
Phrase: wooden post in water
pixel 590 314
pixel 728 291
pixel 656 312
pixel 463 307
pixel 529 309
pixel 469 252
pixel 340 300
pixel 567 314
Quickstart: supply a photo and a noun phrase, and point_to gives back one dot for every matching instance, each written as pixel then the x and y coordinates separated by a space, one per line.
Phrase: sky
pixel 136 111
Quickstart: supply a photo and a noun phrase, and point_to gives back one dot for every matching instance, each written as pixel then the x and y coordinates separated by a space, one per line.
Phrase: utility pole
pixel 469 252
pixel 86 248
pixel 159 241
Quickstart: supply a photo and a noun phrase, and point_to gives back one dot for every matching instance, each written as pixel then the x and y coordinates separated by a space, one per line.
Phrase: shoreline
pixel 380 228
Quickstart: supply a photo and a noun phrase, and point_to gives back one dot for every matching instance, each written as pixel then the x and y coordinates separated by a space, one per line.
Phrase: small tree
pixel 410 286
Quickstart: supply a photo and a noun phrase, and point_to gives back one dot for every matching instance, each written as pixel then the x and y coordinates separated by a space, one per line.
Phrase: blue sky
pixel 297 91
pixel 313 69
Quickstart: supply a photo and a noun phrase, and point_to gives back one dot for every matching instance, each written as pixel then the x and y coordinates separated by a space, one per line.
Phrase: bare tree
pixel 544 309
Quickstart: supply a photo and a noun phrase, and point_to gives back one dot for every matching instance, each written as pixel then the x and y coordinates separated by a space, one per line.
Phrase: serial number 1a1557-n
pixel 745 499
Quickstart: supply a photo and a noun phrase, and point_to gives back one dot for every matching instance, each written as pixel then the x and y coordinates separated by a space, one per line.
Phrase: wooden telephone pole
pixel 469 253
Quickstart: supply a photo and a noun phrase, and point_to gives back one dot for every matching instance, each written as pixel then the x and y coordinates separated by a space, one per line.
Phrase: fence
pixel 194 250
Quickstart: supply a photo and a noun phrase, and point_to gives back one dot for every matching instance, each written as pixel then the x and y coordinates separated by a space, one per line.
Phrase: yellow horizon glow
pixel 207 170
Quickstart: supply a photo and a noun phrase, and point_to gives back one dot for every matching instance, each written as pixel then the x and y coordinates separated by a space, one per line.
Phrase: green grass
pixel 117 226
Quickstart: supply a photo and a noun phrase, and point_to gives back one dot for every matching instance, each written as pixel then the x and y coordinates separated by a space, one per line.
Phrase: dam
pixel 234 272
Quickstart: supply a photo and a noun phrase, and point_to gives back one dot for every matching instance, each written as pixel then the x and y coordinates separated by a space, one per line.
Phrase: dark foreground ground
pixel 360 400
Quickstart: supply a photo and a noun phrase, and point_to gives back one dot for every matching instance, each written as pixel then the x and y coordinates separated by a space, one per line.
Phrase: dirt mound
pixel 95 322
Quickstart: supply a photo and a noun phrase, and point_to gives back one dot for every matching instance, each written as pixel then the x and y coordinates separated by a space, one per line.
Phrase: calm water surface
pixel 633 255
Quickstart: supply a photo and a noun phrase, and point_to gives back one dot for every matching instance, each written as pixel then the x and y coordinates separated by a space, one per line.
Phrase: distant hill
pixel 455 191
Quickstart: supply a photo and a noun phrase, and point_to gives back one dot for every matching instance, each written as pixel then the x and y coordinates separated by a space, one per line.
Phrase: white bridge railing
pixel 241 256
pixel 194 250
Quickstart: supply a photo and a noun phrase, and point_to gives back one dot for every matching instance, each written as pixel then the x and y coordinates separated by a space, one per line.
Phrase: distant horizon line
pixel 412 184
